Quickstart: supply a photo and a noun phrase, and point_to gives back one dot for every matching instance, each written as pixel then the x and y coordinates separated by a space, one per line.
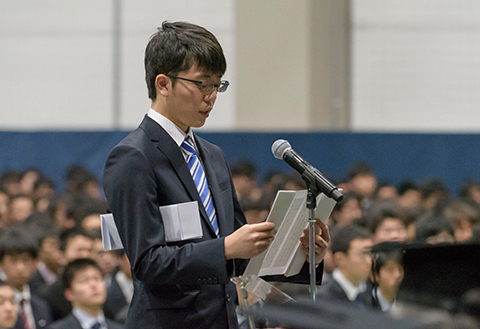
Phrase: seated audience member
pixel 43 193
pixel 256 211
pixel 386 224
pixel 57 211
pixel 434 193
pixel 18 259
pixel 386 191
pixel 78 179
pixel 86 290
pixel 387 274
pixel 244 176
pixel 20 208
pixel 410 217
pixel 74 243
pixel 120 292
pixel 351 254
pixel 49 262
pixel 463 216
pixel 470 190
pixel 8 307
pixel 347 211
pixel 362 180
pixel 10 182
pixel 409 195
pixel 4 201
pixel 433 229
pixel 105 259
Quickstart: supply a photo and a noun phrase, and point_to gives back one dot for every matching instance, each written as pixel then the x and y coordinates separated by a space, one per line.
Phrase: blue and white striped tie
pixel 198 175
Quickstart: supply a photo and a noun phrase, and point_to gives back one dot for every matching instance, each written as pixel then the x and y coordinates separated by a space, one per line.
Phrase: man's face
pixel 79 247
pixel 88 289
pixel 357 263
pixel 390 276
pixel 186 105
pixel 391 229
pixel 19 269
pixel 8 308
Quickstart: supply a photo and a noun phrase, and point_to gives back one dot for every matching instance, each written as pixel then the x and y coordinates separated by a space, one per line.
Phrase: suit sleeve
pixel 131 189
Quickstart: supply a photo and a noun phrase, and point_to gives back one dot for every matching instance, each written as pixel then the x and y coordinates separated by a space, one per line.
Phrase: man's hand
pixel 249 240
pixel 322 239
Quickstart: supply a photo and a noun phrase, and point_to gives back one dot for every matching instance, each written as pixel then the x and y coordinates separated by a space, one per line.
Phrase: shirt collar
pixel 177 134
pixel 350 290
pixel 384 304
pixel 87 321
pixel 25 294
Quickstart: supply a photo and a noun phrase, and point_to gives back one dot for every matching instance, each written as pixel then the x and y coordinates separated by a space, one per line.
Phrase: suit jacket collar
pixel 170 149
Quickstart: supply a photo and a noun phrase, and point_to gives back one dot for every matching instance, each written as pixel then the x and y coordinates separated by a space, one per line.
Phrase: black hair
pixel 431 225
pixel 75 266
pixel 343 237
pixel 69 234
pixel 176 47
pixel 244 168
pixel 360 168
pixel 407 186
pixel 17 240
pixel 379 217
pixel 382 253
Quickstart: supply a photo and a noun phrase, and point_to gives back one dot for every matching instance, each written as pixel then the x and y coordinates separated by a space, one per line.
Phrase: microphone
pixel 282 150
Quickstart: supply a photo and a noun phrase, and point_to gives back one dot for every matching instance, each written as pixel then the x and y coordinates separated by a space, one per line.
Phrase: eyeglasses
pixel 206 85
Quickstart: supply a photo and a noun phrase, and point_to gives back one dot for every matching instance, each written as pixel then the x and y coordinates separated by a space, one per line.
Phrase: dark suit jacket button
pixel 210 281
pixel 228 297
pixel 215 280
pixel 205 281
pixel 200 281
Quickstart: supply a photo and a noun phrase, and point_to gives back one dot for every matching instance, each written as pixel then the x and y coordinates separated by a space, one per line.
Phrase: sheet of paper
pixel 181 221
pixel 111 238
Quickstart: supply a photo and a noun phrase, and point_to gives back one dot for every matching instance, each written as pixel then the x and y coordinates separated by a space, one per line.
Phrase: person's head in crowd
pixel 18 256
pixel 386 190
pixel 49 249
pixel 409 195
pixel 4 201
pixel 464 216
pixel 89 214
pixel 78 179
pixel 434 194
pixel 346 211
pixel 244 176
pixel 10 182
pixel 434 228
pixel 122 262
pixel 387 271
pixel 475 234
pixel 20 208
pixel 85 286
pixel 8 307
pixel 386 224
pixel 351 247
pixel 43 193
pixel 273 182
pixel 28 180
pixel 256 211
pixel 294 182
pixel 76 243
pixel 57 210
pixel 470 189
pixel 105 259
pixel 410 217
pixel 362 179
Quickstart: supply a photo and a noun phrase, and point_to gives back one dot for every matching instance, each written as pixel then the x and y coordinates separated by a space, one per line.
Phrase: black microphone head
pixel 279 147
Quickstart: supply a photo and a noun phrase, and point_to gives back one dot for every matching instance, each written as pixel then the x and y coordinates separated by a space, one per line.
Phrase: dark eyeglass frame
pixel 206 85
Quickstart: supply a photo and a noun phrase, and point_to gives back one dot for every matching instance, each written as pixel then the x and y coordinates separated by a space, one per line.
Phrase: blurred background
pixel 392 83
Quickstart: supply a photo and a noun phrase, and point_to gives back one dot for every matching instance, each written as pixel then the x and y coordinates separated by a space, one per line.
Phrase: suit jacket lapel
pixel 171 150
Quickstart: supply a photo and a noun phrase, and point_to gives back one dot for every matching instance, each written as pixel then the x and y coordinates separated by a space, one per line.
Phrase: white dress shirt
pixel 25 294
pixel 349 288
pixel 87 321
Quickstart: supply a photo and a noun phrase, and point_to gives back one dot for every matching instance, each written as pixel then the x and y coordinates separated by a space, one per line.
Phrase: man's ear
pixel 163 84
pixel 68 295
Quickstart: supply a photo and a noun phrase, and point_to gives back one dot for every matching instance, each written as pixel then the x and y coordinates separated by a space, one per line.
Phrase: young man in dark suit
pixel 182 283
pixel 18 259
pixel 86 289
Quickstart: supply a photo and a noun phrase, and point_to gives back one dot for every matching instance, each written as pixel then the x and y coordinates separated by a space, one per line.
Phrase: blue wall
pixel 395 157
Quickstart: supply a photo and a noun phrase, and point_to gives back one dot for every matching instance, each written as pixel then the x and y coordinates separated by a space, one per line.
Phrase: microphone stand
pixel 309 177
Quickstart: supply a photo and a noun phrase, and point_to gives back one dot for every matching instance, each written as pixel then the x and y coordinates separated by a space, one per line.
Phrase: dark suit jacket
pixel 332 291
pixel 55 296
pixel 179 284
pixel 71 322
pixel 41 313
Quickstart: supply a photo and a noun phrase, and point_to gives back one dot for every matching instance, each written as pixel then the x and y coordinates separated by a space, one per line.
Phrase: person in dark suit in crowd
pixel 18 259
pixel 182 283
pixel 85 288
pixel 120 291
pixel 351 254
pixel 74 243
pixel 8 307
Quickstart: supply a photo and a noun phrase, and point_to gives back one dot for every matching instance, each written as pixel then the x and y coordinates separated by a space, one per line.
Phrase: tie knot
pixel 187 145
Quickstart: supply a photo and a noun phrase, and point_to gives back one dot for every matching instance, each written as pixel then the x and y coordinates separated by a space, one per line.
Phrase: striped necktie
pixel 198 175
